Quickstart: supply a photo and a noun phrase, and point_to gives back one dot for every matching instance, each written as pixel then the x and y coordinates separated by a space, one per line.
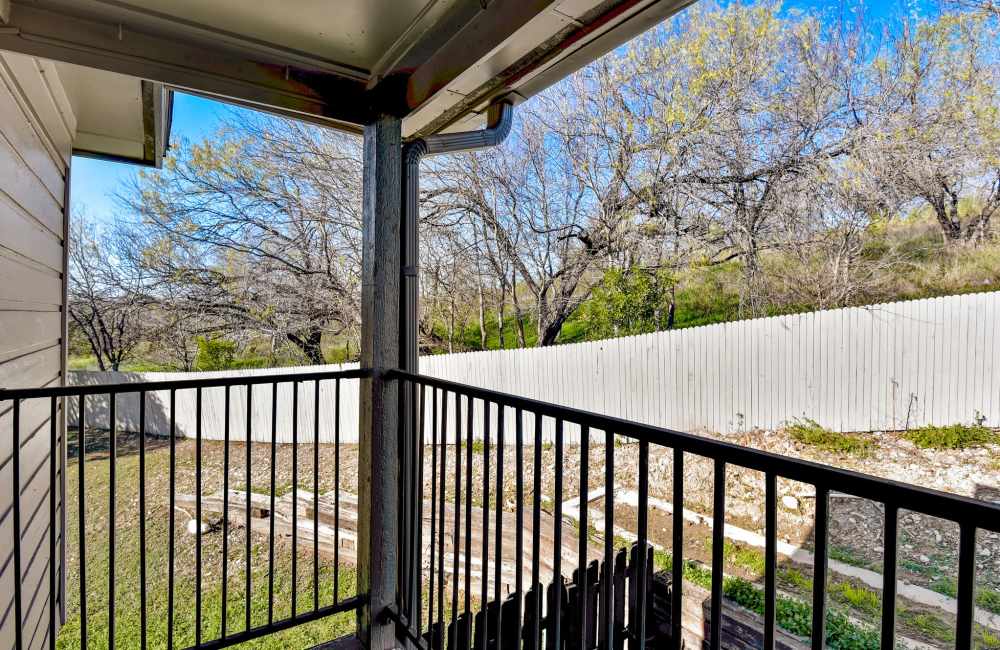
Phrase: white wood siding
pixel 36 131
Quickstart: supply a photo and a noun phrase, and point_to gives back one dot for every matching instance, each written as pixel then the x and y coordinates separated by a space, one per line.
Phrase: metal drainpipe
pixel 500 116
pixel 499 120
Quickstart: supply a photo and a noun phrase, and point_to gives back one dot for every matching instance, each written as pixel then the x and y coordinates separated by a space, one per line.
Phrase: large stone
pixel 790 502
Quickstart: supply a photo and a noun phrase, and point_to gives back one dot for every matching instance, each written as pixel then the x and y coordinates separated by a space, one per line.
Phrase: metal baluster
pixel 316 496
pixel 249 490
pixel 225 515
pixel 458 510
pixel 536 524
pixel 112 467
pixel 441 531
pixel 16 509
pixel 419 404
pixel 484 568
pixel 52 528
pixel 295 496
pixel 607 594
pixel 336 492
pixel 519 518
pixel 197 517
pixel 677 567
pixel 63 513
pixel 819 568
pixel 582 551
pixel 430 558
pixel 889 553
pixel 171 523
pixel 556 616
pixel 718 549
pixel 470 438
pixel 142 519
pixel 498 567
pixel 643 546
pixel 966 586
pixel 274 463
pixel 770 557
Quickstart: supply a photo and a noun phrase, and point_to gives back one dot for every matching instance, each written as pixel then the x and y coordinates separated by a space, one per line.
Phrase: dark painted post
pixel 379 402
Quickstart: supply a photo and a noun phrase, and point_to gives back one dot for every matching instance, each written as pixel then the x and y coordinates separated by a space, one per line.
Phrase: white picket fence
pixel 890 366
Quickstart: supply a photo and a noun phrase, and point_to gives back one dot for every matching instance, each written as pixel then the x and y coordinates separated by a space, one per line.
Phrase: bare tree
pixel 538 206
pixel 940 143
pixel 258 228
pixel 753 103
pixel 107 301
pixel 988 7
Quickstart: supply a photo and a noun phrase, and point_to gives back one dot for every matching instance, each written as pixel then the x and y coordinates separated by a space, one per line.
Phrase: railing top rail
pixel 953 507
pixel 179 384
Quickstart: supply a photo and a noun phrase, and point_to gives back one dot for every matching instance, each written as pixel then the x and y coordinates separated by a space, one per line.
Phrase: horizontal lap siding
pixel 35 135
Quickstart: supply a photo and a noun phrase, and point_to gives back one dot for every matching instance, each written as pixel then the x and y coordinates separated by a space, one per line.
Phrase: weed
pixel 797 579
pixel 956 436
pixel 928 624
pixel 861 598
pixel 741 556
pixel 986 598
pixel 847 556
pixel 791 614
pixel 810 432
pixel 988 639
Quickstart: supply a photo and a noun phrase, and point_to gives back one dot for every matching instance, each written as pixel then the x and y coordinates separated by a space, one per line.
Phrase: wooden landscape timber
pixel 329 534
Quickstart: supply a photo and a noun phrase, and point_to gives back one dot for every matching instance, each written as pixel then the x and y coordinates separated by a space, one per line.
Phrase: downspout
pixel 500 116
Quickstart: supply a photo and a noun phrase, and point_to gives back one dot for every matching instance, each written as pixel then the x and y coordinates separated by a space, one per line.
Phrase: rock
pixel 924 559
pixel 192 527
pixel 790 502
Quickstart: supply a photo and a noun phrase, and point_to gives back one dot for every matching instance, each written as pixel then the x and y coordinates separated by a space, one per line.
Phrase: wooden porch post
pixel 378 468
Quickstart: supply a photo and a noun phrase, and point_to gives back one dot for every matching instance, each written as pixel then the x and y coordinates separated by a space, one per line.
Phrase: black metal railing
pixel 96 436
pixel 449 511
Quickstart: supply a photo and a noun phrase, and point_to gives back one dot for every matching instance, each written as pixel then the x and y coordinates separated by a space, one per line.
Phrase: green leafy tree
pixel 631 301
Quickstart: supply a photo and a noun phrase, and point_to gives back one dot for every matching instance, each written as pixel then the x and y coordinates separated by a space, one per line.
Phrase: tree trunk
pixel 518 314
pixel 451 327
pixel 672 309
pixel 482 316
pixel 310 345
pixel 500 314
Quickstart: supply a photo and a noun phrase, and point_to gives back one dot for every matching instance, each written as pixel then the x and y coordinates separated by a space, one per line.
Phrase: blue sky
pixel 94 182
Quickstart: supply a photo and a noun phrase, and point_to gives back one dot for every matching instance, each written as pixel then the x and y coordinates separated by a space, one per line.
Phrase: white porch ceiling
pixel 436 63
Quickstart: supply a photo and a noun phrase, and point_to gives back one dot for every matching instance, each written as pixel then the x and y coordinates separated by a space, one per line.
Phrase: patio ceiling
pixel 436 63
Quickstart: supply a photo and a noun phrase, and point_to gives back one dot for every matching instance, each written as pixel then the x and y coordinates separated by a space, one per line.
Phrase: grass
pixel 986 598
pixel 956 436
pixel 810 432
pixel 988 639
pixel 797 579
pixel 847 556
pixel 738 555
pixel 928 624
pixel 127 602
pixel 860 598
pixel 791 614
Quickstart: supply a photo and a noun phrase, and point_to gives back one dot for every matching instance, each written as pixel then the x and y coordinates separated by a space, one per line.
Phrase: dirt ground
pixel 927 552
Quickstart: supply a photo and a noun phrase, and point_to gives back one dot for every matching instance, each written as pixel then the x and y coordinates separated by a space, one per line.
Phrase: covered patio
pixel 416 78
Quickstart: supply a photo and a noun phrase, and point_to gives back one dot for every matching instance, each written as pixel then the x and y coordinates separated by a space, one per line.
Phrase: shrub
pixel 812 433
pixel 956 436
